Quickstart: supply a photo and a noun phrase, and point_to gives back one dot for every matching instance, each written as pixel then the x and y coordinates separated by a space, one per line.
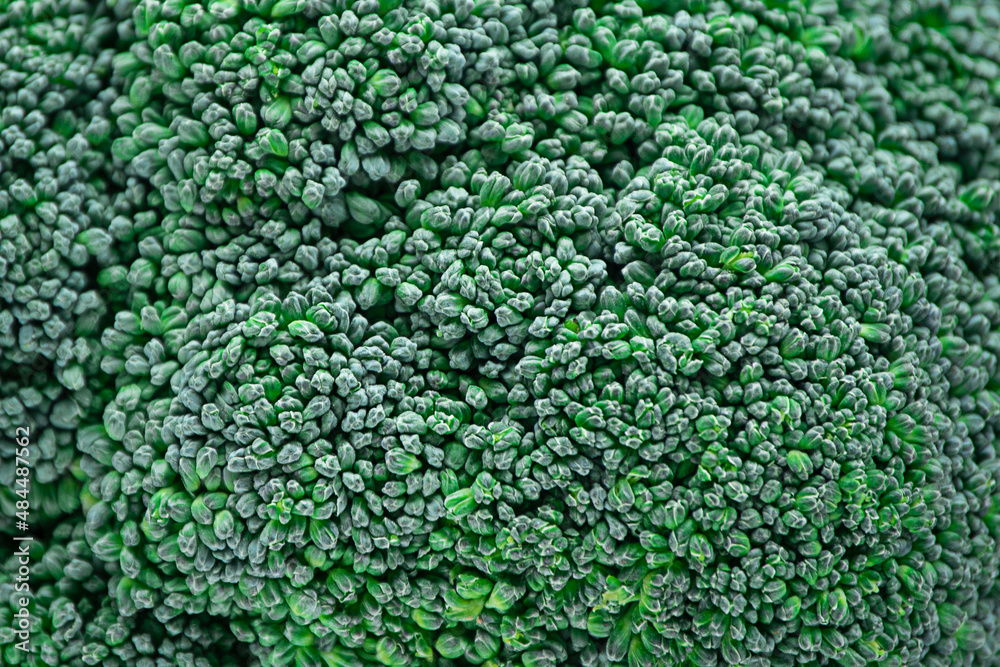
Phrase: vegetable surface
pixel 458 332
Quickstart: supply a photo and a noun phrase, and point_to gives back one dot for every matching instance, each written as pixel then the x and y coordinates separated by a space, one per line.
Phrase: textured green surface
pixel 486 333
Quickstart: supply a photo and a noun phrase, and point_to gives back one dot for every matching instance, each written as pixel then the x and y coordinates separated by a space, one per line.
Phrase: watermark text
pixel 22 515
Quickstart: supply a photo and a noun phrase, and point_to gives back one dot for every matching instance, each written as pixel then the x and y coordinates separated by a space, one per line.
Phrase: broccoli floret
pixel 55 203
pixel 72 620
pixel 646 333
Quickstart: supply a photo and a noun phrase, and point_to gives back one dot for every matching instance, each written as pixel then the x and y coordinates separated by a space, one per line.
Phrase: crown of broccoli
pixel 453 332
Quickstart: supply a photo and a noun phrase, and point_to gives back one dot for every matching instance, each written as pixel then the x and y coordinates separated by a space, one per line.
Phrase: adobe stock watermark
pixel 22 581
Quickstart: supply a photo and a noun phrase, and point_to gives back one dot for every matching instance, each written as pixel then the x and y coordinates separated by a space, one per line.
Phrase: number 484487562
pixel 22 483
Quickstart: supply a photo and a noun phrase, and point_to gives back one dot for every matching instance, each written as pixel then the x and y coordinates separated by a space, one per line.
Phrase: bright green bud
pixel 278 113
pixel 460 610
pixel 471 587
pixel 451 646
pixel 503 597
pixel 460 503
pixel 401 462
pixel 385 83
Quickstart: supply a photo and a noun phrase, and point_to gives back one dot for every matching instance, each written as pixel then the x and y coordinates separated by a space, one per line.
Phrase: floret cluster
pixel 659 333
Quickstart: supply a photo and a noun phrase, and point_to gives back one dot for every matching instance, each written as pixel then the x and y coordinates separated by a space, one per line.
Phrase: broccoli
pixel 73 620
pixel 55 201
pixel 447 332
